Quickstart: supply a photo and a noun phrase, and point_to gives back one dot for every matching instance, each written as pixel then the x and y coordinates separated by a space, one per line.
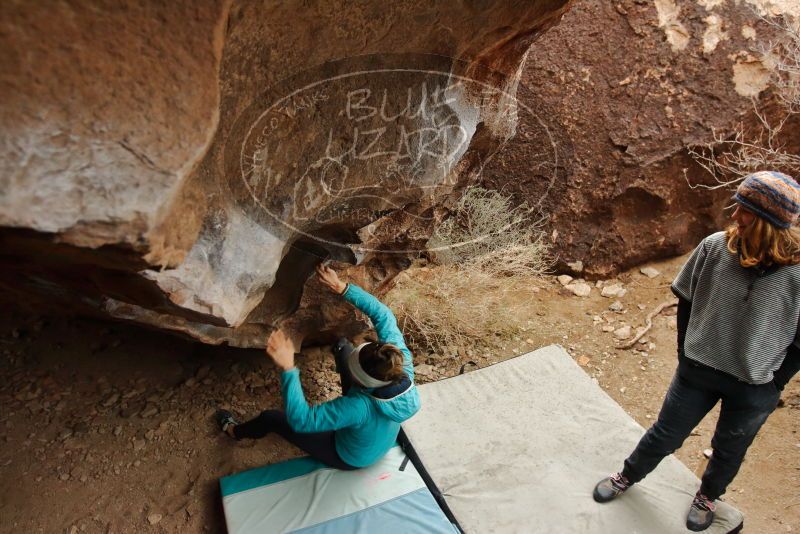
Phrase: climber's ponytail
pixel 382 361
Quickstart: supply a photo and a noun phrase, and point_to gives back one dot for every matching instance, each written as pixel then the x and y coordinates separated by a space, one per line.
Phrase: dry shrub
pixel 729 159
pixel 488 255
pixel 492 235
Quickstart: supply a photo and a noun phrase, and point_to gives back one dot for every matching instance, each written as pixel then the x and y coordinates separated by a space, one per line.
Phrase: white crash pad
pixel 518 447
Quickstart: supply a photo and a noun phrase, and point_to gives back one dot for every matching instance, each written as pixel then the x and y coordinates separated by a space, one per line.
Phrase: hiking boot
pixel 701 514
pixel 610 487
pixel 225 420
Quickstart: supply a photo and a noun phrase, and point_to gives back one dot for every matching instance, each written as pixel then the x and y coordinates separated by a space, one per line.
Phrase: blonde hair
pixel 765 244
pixel 383 361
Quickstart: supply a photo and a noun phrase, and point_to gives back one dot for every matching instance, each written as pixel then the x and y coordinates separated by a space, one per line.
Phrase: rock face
pixel 187 164
pixel 616 93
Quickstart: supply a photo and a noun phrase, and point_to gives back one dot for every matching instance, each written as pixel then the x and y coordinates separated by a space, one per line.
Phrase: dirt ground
pixel 106 427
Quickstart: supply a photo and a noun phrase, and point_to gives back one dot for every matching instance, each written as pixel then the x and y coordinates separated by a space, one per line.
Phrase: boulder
pixel 186 165
pixel 616 94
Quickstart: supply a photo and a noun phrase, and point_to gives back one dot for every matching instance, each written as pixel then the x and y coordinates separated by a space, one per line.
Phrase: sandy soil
pixel 106 427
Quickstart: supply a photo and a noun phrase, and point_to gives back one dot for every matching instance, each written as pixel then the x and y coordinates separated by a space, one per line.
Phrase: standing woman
pixel 738 340
pixel 378 392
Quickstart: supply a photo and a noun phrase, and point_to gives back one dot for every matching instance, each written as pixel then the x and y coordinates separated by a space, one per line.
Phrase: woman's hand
pixel 330 279
pixel 281 348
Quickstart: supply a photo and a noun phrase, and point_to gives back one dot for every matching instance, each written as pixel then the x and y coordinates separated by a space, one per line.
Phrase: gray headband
pixel 359 373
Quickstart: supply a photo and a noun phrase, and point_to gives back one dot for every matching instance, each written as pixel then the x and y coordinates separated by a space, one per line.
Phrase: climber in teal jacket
pixel 356 429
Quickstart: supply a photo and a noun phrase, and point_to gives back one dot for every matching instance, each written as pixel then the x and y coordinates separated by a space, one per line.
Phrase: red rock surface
pixel 621 104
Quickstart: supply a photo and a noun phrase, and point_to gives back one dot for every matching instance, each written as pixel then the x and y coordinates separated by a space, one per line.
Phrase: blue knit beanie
pixel 771 195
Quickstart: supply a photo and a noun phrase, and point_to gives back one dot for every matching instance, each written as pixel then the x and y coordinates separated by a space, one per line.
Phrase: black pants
pixel 319 445
pixel 694 391
pixel 789 368
pixel 341 349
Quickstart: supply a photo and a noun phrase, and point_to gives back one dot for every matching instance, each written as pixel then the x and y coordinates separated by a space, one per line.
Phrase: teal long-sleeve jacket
pixel 366 421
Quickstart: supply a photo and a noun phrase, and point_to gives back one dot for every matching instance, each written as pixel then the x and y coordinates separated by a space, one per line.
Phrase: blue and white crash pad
pixel 515 447
pixel 303 495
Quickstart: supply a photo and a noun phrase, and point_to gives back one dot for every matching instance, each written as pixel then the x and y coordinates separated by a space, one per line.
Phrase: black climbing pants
pixel 341 349
pixel 789 368
pixel 319 445
pixel 694 391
